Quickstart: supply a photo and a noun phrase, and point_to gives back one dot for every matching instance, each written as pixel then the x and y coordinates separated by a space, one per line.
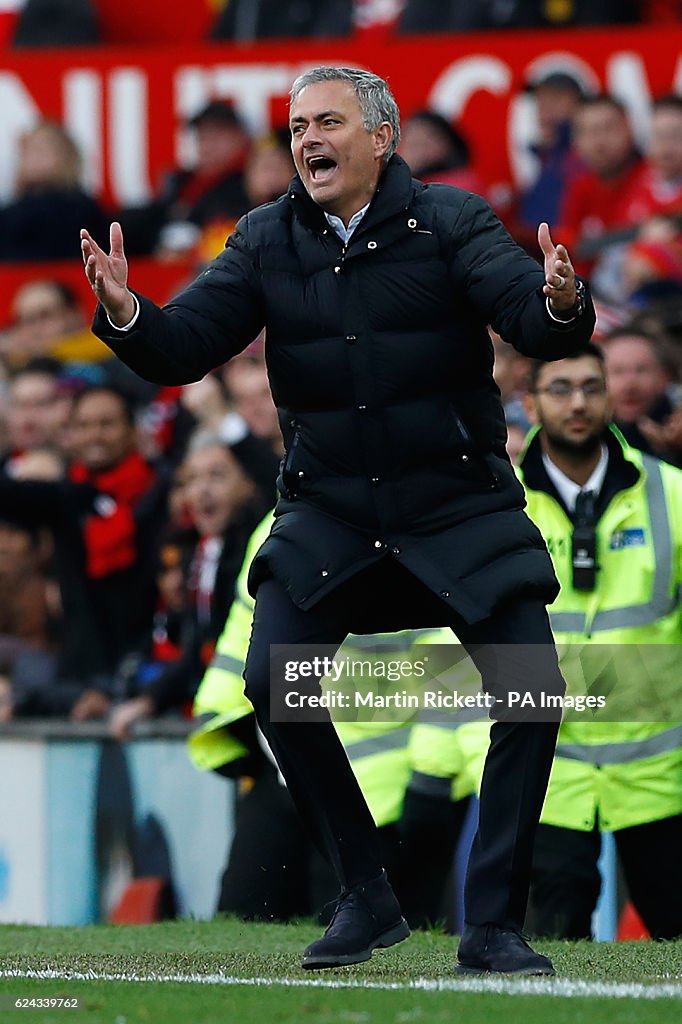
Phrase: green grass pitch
pixel 224 971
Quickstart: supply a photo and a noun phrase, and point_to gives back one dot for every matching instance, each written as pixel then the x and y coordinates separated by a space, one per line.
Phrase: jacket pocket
pixel 474 462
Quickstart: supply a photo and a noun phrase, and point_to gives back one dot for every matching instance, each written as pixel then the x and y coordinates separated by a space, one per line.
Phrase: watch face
pixel 579 296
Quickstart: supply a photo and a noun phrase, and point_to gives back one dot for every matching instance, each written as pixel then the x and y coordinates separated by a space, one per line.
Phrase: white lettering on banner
pixel 82 93
pixel 452 90
pixel 522 131
pixel 18 112
pixel 128 134
pixel 191 92
pixel 252 87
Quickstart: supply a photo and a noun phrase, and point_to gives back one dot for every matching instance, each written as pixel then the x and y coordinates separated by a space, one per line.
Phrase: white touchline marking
pixel 562 987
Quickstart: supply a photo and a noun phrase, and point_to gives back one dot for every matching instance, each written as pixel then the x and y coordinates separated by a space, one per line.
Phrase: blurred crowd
pixel 125 509
pixel 86 22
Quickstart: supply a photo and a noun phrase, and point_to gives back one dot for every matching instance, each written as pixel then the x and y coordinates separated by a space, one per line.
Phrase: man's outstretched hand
pixel 108 275
pixel 559 273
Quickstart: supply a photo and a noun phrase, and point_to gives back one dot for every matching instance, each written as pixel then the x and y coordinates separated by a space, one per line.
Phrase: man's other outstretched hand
pixel 108 275
pixel 559 273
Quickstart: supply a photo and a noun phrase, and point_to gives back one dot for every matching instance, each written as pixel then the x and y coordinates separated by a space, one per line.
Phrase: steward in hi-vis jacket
pixel 612 519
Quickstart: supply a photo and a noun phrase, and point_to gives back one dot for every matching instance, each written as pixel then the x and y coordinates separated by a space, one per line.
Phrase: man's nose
pixel 311 136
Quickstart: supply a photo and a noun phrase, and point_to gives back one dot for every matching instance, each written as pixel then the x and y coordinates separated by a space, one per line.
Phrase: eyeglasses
pixel 564 389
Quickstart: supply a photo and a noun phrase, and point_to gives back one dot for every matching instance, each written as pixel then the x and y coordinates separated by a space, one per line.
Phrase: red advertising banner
pixel 154 278
pixel 126 107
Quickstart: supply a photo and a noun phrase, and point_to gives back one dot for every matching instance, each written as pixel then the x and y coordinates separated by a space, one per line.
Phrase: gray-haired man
pixel 398 505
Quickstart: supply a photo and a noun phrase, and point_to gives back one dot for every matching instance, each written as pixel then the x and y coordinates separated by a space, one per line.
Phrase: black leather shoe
pixel 486 949
pixel 367 917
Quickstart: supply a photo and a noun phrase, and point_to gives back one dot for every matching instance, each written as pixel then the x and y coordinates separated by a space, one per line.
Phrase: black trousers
pixel 566 882
pixel 318 774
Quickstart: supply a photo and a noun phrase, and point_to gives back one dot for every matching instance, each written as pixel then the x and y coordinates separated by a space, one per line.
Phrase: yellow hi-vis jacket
pixel 624 772
pixel 447 749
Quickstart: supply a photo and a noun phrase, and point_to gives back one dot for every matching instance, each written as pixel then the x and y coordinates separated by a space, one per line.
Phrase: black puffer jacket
pixel 381 367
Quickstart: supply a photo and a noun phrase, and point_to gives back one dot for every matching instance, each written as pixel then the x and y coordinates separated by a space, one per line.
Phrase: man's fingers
pixel 90 268
pixel 88 241
pixel 545 239
pixel 116 240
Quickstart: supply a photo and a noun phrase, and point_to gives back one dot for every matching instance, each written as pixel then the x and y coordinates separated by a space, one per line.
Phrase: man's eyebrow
pixel 318 117
pixel 577 383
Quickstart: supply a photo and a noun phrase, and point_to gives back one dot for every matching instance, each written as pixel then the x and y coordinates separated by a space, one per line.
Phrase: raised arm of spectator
pixel 213 319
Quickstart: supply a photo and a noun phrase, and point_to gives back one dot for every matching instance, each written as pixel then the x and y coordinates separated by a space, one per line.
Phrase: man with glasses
pixel 612 519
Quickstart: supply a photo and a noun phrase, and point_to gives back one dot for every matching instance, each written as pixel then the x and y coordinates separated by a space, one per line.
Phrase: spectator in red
pixel 596 203
pixel 437 152
pixel 641 374
pixel 267 174
pixel 652 267
pixel 104 517
pixel 659 188
pixel 208 189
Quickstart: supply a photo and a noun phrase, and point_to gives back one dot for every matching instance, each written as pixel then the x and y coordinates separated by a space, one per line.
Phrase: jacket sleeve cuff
pixel 131 323
pixel 557 319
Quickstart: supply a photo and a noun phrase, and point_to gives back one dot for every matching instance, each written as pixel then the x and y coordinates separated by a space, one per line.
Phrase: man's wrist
pixel 128 317
pixel 567 316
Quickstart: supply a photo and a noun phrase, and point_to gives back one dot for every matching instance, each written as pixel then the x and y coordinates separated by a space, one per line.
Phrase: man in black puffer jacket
pixel 398 506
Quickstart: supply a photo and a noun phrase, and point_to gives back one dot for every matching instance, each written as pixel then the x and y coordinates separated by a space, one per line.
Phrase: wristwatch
pixel 576 310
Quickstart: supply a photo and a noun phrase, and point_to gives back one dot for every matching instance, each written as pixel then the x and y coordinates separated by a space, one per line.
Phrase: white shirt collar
pixel 342 231
pixel 568 489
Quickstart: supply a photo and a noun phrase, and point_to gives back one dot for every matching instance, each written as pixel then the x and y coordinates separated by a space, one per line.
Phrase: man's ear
pixel 382 139
pixel 530 407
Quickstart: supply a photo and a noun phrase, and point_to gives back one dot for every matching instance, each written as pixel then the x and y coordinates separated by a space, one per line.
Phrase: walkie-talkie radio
pixel 584 543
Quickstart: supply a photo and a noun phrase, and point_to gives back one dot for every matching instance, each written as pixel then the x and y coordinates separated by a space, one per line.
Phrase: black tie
pixel 584 509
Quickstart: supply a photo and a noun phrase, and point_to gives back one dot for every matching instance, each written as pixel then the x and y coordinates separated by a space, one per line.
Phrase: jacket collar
pixel 394 193
pixel 625 468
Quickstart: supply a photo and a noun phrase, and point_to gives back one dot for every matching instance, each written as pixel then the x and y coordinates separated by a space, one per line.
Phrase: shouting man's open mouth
pixel 321 168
